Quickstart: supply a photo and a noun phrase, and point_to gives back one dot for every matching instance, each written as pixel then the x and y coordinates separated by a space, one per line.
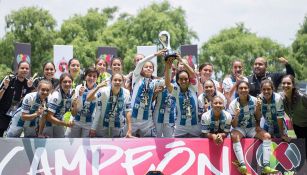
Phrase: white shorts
pixel 16 131
pixel 247 132
pixel 79 130
pixel 54 131
pixel 106 132
pixel 187 131
pixel 165 129
pixel 143 129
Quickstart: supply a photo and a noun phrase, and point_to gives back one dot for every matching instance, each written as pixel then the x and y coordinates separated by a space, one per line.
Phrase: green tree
pixel 299 52
pixel 83 32
pixel 143 29
pixel 31 25
pixel 4 71
pixel 7 50
pixel 239 43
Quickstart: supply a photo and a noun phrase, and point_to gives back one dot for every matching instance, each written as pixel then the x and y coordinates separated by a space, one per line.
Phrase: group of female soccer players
pixel 183 103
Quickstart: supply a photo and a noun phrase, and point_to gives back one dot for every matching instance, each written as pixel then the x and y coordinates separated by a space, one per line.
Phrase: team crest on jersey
pixel 55 100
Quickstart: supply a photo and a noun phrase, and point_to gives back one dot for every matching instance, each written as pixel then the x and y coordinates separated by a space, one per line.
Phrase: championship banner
pixel 61 56
pixel 22 53
pixel 190 52
pixel 149 50
pixel 138 156
pixel 107 53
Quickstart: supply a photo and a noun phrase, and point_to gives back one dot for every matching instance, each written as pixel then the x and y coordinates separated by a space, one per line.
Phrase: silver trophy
pixel 164 38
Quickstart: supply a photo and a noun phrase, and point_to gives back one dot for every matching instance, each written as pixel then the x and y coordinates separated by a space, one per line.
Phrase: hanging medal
pixel 112 112
pixel 188 107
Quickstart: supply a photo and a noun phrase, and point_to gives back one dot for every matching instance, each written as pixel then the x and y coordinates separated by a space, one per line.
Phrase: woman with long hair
pixel 48 71
pixel 205 98
pixel 273 111
pixel 165 109
pixel 85 109
pixel 59 103
pixel 13 89
pixel 74 69
pixel 144 85
pixel 113 109
pixel 187 121
pixel 34 106
pixel 216 123
pixel 101 66
pixel 246 113
pixel 295 103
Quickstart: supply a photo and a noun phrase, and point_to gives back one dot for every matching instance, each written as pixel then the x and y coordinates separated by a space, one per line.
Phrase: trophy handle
pixel 164 38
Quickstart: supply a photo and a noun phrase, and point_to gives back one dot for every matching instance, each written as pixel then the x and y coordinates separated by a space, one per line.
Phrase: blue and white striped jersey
pixel 165 107
pixel 30 105
pixel 143 91
pixel 202 98
pixel 187 108
pixel 59 103
pixel 271 112
pixel 209 125
pixel 85 108
pixel 247 112
pixel 111 109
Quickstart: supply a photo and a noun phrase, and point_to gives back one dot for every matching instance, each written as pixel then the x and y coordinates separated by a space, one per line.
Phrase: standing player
pixel 187 124
pixel 165 109
pixel 113 111
pixel 83 119
pixel 144 85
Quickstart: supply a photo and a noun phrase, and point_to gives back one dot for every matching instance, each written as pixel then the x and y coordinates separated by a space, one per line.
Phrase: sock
pixel 237 148
pixel 266 149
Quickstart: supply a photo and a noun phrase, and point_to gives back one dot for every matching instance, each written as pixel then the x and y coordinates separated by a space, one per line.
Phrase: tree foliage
pixel 299 51
pixel 239 43
pixel 36 26
pixel 99 27
pixel 143 29
pixel 30 25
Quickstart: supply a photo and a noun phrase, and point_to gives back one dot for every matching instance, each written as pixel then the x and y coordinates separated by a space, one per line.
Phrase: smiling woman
pixel 13 89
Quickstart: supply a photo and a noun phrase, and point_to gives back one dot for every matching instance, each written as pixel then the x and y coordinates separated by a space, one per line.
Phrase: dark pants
pixel 4 123
pixel 301 132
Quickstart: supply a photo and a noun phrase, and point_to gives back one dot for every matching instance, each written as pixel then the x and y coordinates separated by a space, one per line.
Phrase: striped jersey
pixel 111 109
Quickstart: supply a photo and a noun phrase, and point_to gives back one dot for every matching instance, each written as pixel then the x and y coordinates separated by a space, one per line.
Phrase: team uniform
pixel 141 102
pixel 84 117
pixel 11 99
pixel 164 114
pixel 58 103
pixel 109 120
pixel 228 83
pixel 247 127
pixel 209 125
pixel 30 105
pixel 203 98
pixel 187 112
pixel 271 112
pixel 246 118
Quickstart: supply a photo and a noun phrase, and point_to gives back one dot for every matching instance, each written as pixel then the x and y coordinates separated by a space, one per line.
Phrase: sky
pixel 276 19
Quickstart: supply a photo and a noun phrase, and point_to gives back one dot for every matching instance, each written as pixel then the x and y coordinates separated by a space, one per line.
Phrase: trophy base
pixel 169 55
